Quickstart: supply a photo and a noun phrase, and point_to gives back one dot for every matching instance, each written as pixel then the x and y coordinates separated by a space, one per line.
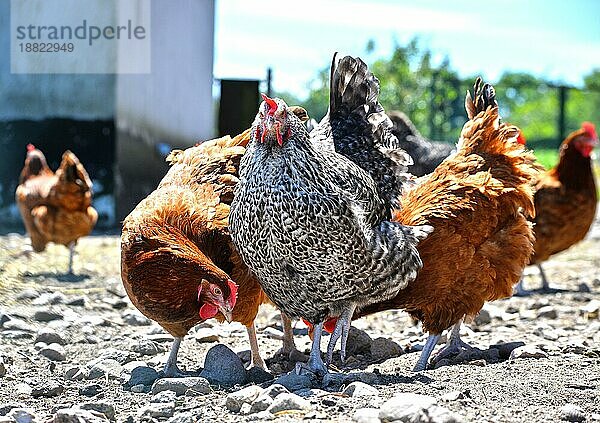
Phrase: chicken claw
pixel 342 329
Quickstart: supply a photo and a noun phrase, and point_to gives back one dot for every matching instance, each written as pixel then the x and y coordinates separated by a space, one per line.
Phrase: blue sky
pixel 556 39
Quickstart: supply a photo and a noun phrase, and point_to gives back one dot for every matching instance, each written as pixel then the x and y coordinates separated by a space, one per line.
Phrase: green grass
pixel 548 157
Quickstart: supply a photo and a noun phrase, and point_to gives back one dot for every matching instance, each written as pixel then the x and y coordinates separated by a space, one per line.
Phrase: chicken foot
pixel 171 369
pixel 454 346
pixel 315 365
pixel 432 341
pixel 288 335
pixel 256 360
pixel 342 329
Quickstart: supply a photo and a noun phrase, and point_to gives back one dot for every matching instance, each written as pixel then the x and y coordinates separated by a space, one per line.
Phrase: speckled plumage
pixel 311 222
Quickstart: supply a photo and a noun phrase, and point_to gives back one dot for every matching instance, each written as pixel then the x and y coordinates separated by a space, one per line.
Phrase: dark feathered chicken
pixel 310 214
pixel 426 154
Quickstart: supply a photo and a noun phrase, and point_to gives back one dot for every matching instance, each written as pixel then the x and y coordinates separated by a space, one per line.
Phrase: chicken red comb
pixel 521 138
pixel 270 102
pixel 30 147
pixel 589 129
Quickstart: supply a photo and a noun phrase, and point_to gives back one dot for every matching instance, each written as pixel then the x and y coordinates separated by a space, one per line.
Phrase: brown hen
pixel 565 200
pixel 178 263
pixel 478 201
pixel 55 207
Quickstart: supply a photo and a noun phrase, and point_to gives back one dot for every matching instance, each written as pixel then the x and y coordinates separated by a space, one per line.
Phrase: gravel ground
pixel 554 374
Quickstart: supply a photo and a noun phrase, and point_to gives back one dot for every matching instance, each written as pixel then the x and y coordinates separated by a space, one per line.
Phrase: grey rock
pixel 49 336
pixel 273 333
pixel 405 406
pixel 247 395
pixel 383 348
pixel 483 318
pixel 572 413
pixel 76 373
pixel 77 415
pixel 547 312
pixel 6 407
pixel 158 410
pixel 181 385
pixel 366 415
pixel 164 396
pixel 359 342
pixel 49 298
pixel 140 389
pixel 262 403
pixel 76 302
pixel 359 389
pixel 147 347
pixel 289 402
pixel 207 335
pixel 103 407
pixel 454 396
pixel 527 351
pixel 257 375
pixel 48 389
pixel 134 318
pixel 294 382
pixel 591 310
pixel 504 350
pixel 104 367
pixel 22 415
pixel 90 390
pixel 28 294
pixel 47 315
pixel 142 376
pixel 222 366
pixel 116 302
pixel 54 352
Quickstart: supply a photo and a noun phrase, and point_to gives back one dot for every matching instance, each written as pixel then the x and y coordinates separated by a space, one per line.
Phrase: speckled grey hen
pixel 310 214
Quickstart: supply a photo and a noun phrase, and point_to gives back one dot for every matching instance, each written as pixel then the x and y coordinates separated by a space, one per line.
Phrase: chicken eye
pixel 217 291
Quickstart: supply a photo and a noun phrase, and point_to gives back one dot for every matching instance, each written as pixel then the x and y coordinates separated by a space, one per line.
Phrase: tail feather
pixel 362 131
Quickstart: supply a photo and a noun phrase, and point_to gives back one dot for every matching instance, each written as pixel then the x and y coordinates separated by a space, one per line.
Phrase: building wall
pixel 169 107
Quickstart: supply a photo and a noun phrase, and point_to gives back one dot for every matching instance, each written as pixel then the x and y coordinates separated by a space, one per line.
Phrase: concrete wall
pixel 171 106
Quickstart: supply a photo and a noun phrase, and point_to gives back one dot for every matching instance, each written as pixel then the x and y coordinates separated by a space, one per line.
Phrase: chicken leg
pixel 71 252
pixel 288 335
pixel 522 292
pixel 454 346
pixel 342 329
pixel 315 364
pixel 256 360
pixel 432 341
pixel 171 369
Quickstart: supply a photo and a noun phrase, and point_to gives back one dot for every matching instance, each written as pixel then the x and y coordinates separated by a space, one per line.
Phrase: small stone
pixel 359 389
pixel 142 376
pixel 146 347
pixel 572 413
pixel 527 351
pixel 257 375
pixel 49 389
pixel 75 373
pixel 28 294
pixel 289 402
pixel 49 336
pixel 164 396
pixel 261 403
pixel 366 415
pixel 139 389
pixel 181 385
pixel 591 310
pixel 47 316
pixel 294 382
pixel 405 406
pixel 90 390
pixel 101 407
pixel 483 318
pixel 453 396
pixel 135 318
pixel 76 302
pixel 106 367
pixel 504 350
pixel 22 415
pixel 207 335
pixel 383 349
pixel 234 401
pixel 359 342
pixel 116 302
pixel 77 415
pixel 54 352
pixel 223 367
pixel 584 287
pixel 158 410
pixel 547 312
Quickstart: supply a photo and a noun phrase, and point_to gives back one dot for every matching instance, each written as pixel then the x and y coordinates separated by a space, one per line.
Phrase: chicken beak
pixel 227 312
